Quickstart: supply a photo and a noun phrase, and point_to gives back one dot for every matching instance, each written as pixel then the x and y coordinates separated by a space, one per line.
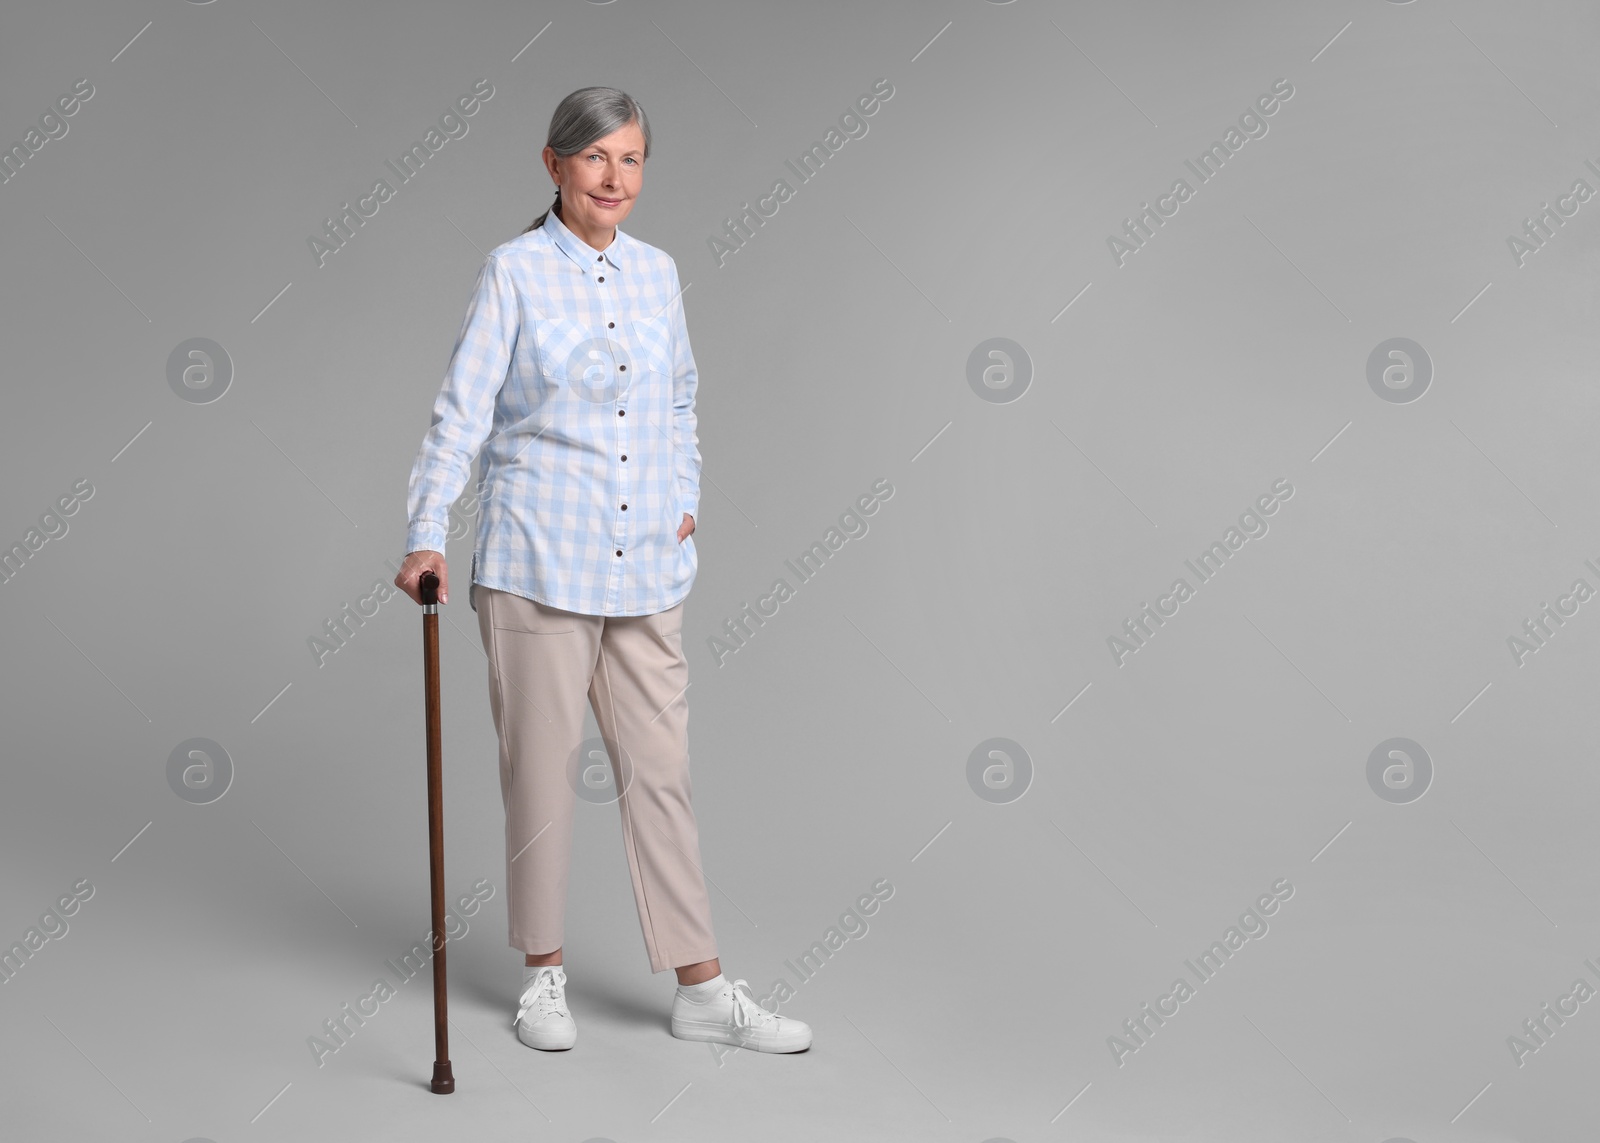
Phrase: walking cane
pixel 444 1081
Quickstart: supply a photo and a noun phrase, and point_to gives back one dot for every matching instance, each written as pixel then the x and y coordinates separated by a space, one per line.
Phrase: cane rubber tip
pixel 443 1081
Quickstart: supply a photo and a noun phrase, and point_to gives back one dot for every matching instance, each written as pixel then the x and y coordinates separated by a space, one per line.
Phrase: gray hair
pixel 588 114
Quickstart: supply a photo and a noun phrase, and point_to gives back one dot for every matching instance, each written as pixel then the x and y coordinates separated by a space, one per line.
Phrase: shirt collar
pixel 579 250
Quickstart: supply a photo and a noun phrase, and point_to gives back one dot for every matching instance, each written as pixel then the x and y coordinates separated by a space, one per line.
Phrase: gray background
pixel 1166 794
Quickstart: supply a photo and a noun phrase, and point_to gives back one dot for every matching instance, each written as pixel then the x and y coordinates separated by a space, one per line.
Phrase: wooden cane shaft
pixel 443 1081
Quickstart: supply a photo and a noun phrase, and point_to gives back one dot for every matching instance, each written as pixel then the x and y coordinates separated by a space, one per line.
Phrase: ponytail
pixel 538 222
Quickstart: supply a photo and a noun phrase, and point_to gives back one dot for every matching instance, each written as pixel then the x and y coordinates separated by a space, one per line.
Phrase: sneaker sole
pixel 712 1033
pixel 532 1041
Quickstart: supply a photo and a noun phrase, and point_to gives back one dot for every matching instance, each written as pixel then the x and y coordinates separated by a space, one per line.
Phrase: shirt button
pixel 602 278
pixel 599 257
pixel 611 325
pixel 624 507
pixel 622 412
pixel 619 551
pixel 624 456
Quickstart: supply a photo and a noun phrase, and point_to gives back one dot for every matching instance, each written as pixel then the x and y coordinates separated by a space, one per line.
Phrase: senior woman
pixel 573 373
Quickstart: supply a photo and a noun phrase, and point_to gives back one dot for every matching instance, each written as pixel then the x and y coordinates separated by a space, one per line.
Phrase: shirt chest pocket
pixel 652 345
pixel 562 352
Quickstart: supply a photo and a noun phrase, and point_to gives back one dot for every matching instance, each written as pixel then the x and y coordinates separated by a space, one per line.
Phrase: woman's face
pixel 600 182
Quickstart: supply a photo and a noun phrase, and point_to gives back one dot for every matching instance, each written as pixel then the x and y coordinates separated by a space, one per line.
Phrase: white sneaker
pixel 734 1017
pixel 543 1020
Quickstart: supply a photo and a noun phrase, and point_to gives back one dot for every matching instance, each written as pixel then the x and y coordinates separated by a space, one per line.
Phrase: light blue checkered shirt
pixel 573 374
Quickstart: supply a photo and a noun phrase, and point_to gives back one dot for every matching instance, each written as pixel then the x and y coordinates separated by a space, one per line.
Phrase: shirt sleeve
pixel 685 380
pixel 463 412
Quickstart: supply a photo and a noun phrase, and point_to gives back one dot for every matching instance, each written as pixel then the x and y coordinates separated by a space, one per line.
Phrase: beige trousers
pixel 542 662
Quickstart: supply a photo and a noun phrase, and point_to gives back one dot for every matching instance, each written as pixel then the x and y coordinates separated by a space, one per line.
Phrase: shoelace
pixel 746 1012
pixel 541 995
